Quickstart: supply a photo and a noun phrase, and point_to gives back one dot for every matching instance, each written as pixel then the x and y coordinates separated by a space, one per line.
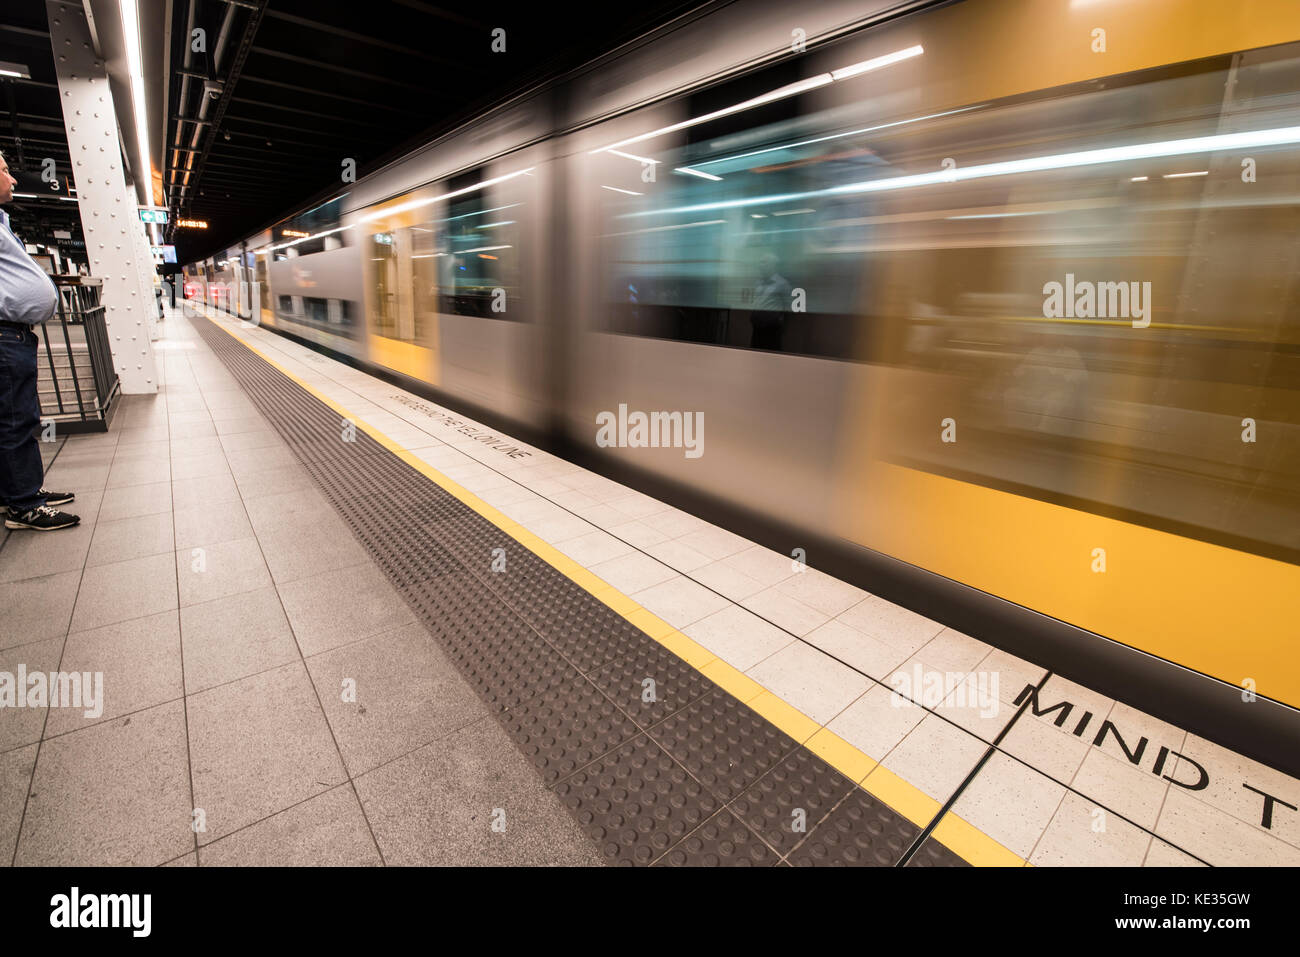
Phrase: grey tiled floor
pixel 228 607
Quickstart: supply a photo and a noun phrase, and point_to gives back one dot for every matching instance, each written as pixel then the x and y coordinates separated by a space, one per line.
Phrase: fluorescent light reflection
pixel 1281 136
pixel 781 93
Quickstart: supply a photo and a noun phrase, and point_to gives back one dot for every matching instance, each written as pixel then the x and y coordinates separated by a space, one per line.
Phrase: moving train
pixel 992 307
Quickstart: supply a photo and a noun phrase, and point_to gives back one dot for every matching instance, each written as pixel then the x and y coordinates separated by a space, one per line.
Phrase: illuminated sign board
pixel 150 214
pixel 294 233
pixel 168 253
pixel 192 223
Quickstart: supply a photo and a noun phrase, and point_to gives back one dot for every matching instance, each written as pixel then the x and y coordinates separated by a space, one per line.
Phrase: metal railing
pixel 77 384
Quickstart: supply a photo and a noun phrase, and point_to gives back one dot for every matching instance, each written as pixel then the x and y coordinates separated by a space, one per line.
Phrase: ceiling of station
pixel 295 87
pixel 31 120
pixel 253 116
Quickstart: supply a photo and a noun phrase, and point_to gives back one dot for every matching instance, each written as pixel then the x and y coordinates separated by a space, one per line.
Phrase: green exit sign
pixel 153 215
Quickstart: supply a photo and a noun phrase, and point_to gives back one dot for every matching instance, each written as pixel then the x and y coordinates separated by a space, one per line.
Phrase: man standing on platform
pixel 27 297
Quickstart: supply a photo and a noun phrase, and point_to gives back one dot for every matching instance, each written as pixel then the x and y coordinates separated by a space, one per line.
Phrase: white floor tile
pixel 738 637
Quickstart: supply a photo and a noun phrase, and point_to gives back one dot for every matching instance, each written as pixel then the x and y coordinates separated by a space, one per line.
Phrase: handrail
pixel 72 401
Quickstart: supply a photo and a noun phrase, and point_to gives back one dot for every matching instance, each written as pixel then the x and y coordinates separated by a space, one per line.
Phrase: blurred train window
pixel 479 258
pixel 685 259
pixel 314 231
pixel 317 310
pixel 749 231
pixel 286 304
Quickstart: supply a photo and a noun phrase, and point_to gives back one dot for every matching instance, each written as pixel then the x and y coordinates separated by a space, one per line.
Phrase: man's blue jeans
pixel 21 471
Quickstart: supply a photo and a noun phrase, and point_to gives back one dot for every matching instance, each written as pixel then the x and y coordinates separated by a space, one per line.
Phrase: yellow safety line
pixel 958 835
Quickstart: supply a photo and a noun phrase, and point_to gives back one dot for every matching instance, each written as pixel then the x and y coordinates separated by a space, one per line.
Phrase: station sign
pixel 168 253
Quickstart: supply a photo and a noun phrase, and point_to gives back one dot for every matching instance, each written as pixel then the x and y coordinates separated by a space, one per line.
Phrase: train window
pixel 480 250
pixel 687 258
pixel 314 231
pixel 286 304
pixel 319 244
pixel 766 228
pixel 317 310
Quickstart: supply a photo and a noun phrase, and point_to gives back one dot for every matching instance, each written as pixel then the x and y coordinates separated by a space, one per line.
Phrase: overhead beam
pixel 439 12
pixel 362 38
pixel 304 112
pixel 24 31
pixel 334 68
pixel 368 104
pixel 228 85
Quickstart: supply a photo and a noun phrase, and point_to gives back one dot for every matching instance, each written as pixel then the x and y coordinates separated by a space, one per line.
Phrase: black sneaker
pixel 52 498
pixel 43 519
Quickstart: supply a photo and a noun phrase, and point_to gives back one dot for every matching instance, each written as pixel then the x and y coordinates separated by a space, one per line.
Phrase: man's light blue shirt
pixel 27 294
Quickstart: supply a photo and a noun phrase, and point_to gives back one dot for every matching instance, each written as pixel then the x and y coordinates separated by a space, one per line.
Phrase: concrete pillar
pixel 115 244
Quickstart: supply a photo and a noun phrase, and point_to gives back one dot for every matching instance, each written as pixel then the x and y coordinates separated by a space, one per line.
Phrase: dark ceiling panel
pixel 31 123
pixel 324 80
pixel 300 85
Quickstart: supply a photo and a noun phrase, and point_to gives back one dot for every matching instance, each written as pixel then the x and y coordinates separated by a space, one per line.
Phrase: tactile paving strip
pixel 722 839
pixel 675 773
pixel 651 684
pixel 792 800
pixel 637 803
pixel 723 743
pixel 861 832
pixel 934 854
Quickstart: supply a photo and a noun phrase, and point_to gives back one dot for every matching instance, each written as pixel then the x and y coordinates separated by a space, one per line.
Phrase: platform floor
pixel 232 593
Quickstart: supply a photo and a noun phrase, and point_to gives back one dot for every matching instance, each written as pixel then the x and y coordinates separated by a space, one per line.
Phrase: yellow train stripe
pixel 1052 42
pixel 835 751
pixel 1225 613
pixel 418 362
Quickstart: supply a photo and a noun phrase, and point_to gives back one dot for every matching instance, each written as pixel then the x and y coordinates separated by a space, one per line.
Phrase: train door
pixel 263 289
pixel 388 288
pixel 236 304
pixel 425 244
pixel 403 288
